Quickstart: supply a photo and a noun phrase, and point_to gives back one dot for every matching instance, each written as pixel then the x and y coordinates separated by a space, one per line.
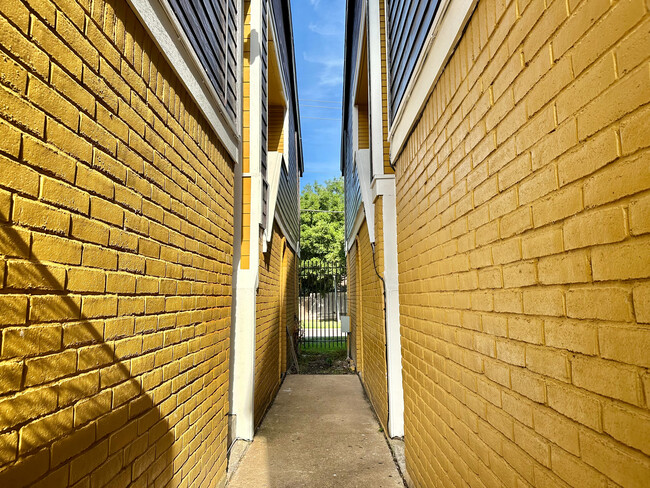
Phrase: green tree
pixel 322 233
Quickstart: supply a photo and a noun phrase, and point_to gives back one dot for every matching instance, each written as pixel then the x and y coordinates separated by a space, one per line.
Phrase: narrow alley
pixel 321 432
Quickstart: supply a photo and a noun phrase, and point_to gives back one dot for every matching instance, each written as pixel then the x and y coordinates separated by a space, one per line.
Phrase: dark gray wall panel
pixel 212 28
pixel 409 22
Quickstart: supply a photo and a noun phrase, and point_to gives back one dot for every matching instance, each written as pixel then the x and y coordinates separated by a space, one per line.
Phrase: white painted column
pixel 384 186
pixel 245 295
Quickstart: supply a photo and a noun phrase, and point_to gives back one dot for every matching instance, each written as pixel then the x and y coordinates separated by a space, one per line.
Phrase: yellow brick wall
pixel 116 225
pixel 524 255
pixel 276 304
pixel 246 140
pixel 354 297
pixel 367 316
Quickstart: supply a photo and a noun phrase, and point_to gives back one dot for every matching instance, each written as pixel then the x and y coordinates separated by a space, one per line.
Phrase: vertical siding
pixel 211 28
pixel 288 201
pixel 409 22
pixel 351 181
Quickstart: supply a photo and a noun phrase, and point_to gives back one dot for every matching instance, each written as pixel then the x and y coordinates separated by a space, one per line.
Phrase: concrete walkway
pixel 320 432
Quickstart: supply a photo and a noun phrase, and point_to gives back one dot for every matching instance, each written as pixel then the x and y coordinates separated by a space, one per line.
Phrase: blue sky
pixel 318 29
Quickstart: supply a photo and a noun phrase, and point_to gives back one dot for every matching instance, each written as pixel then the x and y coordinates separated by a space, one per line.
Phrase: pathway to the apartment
pixel 320 432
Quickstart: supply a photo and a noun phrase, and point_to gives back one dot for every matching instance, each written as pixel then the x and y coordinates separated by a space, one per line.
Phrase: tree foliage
pixel 322 233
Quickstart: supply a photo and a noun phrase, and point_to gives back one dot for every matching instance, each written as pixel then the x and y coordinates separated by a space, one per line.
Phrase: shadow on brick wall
pixel 73 406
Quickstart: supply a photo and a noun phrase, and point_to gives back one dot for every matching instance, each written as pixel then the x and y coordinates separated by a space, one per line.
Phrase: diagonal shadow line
pixel 98 417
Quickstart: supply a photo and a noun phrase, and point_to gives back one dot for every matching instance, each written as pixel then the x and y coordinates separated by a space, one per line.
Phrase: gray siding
pixel 351 183
pixel 212 28
pixel 409 22
pixel 288 202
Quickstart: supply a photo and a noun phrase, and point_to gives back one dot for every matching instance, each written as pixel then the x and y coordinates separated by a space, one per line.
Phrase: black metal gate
pixel 323 299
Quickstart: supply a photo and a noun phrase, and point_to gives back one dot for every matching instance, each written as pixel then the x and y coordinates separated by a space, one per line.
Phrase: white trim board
pixel 446 30
pixel 165 30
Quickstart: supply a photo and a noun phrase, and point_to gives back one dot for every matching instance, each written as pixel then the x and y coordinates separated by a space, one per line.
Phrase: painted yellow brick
pixel 622 98
pixel 51 102
pixel 588 157
pixel 88 230
pixel 605 303
pixel 51 308
pixel 48 41
pixel 12 74
pixel 622 261
pixel 607 32
pixel 18 177
pixel 540 184
pixel 617 180
pixel 607 378
pixel 99 306
pixel 548 362
pixel 599 226
pixel 106 211
pixel 68 141
pixel 587 86
pixel 27 471
pixel 19 112
pixel 641 296
pixel 555 144
pixel 66 196
pixel 26 51
pixel 86 280
pixel 574 403
pixel 627 345
pixel 77 41
pixel 574 267
pixel 507 251
pixel 528 384
pixel 640 215
pixel 14 309
pixel 623 466
pixel 558 206
pixel 629 425
pixel 526 329
pixel 99 257
pixel 37 215
pixel 8 447
pixel 50 368
pixel 556 428
pixel 55 249
pixel 544 301
pixel 9 140
pixel 516 222
pixel 21 342
pixel 520 274
pixel 27 275
pixel 572 470
pixel 98 134
pixel 511 352
pixel 11 375
pixel 45 157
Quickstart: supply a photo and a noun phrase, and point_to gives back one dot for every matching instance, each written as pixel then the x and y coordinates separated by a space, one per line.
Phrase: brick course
pixel 523 252
pixel 116 237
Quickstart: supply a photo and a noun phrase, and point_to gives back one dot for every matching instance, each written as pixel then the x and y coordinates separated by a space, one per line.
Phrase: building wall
pixel 367 317
pixel 116 237
pixel 276 300
pixel 524 258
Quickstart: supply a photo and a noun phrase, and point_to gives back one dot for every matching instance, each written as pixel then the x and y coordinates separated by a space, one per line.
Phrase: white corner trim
pixel 376 116
pixel 164 28
pixel 393 337
pixel 447 27
pixel 274 165
pixel 362 158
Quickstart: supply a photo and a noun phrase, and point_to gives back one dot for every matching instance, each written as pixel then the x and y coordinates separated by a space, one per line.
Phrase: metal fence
pixel 322 300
